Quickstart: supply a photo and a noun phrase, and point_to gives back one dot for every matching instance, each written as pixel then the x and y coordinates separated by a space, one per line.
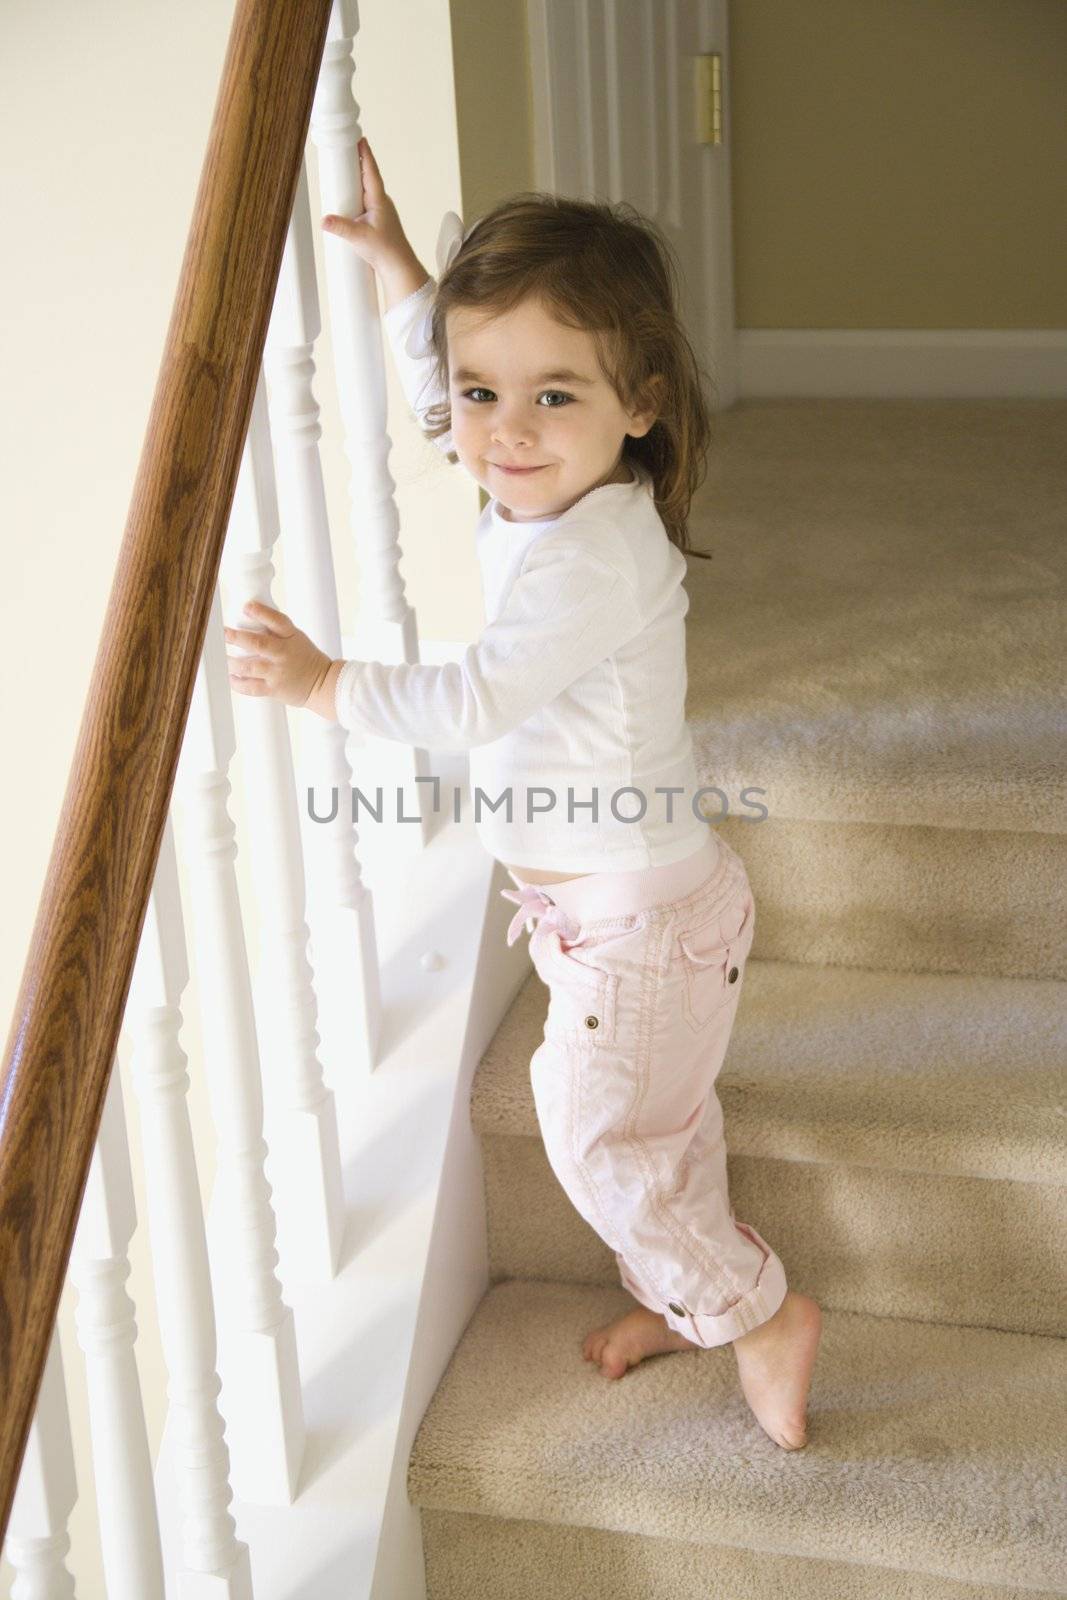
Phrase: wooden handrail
pixel 81 955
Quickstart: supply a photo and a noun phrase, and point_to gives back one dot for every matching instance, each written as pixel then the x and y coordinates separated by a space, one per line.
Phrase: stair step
pixel 879 635
pixel 935 1073
pixel 466 1555
pixel 907 899
pixel 917 899
pixel 936 1452
pixel 899 1140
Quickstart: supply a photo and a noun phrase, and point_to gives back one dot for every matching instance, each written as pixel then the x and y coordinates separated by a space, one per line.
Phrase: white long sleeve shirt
pixel 574 690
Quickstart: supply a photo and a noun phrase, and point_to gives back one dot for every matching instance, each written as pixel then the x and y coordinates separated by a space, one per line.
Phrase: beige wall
pixel 104 114
pixel 899 163
pixel 494 111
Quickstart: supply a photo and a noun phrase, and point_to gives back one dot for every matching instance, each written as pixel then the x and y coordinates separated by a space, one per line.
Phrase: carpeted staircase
pixel 878 647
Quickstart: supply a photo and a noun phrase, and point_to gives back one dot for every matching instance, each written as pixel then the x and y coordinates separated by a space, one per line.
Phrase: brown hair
pixel 608 269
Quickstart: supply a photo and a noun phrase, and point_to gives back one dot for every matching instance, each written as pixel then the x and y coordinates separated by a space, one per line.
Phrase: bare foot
pixel 622 1344
pixel 774 1362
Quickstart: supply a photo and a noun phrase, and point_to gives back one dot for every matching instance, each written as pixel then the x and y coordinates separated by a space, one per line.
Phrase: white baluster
pixel 216 1565
pixel 340 907
pixel 37 1539
pixel 387 629
pixel 304 1162
pixel 107 1330
pixel 258 1356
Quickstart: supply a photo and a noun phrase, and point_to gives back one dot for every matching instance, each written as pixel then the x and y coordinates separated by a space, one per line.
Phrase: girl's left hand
pixel 284 663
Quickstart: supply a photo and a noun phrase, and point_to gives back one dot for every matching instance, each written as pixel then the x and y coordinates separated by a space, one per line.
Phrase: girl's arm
pixel 401 279
pixel 407 288
pixel 407 326
pixel 568 609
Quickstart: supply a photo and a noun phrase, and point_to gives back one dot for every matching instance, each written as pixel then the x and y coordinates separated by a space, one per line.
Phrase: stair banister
pixel 73 991
pixel 299 1107
pixel 388 630
pixel 38 1538
pixel 214 1561
pixel 266 1437
pixel 340 906
pixel 106 1319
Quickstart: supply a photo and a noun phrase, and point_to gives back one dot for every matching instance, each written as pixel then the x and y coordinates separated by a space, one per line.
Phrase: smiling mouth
pixel 501 468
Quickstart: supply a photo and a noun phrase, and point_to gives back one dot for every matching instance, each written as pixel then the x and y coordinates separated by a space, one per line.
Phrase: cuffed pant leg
pixel 708 1329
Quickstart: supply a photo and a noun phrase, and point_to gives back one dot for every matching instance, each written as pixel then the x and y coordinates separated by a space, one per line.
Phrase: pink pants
pixel 644 971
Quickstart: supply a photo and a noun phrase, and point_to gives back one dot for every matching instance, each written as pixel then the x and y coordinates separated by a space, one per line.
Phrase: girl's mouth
pixel 517 471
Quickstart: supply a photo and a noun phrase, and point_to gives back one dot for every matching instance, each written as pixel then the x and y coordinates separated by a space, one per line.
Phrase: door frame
pixel 558 34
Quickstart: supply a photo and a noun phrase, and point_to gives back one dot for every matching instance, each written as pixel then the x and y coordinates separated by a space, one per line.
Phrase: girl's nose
pixel 512 428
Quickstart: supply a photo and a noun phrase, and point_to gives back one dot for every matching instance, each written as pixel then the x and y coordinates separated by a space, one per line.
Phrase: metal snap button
pixel 732 975
pixel 678 1310
pixel 592 1022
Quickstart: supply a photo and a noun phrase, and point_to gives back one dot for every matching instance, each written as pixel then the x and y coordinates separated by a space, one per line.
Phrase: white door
pixel 615 118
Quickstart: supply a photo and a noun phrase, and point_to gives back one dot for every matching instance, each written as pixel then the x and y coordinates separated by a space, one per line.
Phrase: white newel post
pixel 107 1331
pixel 340 907
pixel 257 1339
pixel 37 1539
pixel 387 628
pixel 304 1162
pixel 215 1563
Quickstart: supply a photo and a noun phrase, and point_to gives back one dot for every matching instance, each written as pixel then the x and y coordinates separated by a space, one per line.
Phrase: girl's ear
pixel 642 420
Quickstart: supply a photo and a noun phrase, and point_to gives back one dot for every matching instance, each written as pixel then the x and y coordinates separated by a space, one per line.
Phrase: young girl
pixel 549 360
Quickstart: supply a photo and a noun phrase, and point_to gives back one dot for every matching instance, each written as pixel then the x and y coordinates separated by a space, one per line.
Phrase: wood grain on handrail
pixel 77 974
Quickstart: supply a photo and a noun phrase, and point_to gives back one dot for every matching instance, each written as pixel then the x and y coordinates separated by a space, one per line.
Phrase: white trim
pixel 715 220
pixel 544 156
pixel 597 75
pixel 892 363
pixel 374 1342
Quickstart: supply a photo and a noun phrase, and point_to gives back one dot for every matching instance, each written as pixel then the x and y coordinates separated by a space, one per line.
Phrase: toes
pixel 593 1344
pixel 792 1435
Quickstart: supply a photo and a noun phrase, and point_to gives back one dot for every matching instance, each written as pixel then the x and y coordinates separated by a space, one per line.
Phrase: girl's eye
pixel 566 398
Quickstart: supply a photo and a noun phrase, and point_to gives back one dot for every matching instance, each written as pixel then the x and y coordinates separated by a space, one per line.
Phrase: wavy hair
pixel 609 270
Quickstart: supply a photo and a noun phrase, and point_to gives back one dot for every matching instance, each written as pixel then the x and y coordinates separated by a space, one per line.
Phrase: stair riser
pixel 943 1249
pixel 490 1558
pixel 907 899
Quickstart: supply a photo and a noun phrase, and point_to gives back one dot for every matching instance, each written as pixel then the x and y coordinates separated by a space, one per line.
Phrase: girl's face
pixel 527 391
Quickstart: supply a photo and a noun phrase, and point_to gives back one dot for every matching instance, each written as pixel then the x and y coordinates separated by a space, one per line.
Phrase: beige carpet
pixel 936 1450
pixel 879 644
pixel 849 1097
pixel 879 636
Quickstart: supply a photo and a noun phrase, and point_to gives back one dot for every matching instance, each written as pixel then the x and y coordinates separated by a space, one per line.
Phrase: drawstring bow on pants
pixel 536 908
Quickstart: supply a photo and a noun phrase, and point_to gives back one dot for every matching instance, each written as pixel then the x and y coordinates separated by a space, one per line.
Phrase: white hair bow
pixel 450 238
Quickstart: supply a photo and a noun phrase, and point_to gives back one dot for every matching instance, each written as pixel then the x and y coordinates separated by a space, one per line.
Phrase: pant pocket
pixel 713 956
pixel 581 998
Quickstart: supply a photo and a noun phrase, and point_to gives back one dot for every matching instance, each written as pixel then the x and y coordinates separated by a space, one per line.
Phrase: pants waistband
pixel 620 894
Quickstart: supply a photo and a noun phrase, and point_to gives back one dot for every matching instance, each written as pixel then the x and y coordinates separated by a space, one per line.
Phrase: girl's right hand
pixel 377 233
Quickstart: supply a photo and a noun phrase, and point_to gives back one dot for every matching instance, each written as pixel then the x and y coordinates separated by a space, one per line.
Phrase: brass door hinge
pixel 708 81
